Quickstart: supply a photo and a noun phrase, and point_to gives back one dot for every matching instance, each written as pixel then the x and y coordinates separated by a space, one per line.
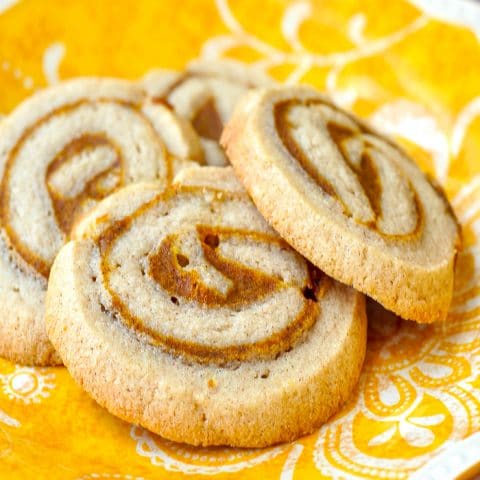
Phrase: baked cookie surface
pixel 61 152
pixel 347 198
pixel 205 94
pixel 184 312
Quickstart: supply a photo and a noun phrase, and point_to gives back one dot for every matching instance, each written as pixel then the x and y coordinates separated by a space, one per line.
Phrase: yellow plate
pixel 401 66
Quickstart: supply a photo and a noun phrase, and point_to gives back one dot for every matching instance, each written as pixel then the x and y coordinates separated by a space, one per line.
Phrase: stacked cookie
pixel 191 297
pixel 68 147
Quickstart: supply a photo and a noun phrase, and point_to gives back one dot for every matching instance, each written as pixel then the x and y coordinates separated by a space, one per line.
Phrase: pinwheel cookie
pixel 347 198
pixel 184 312
pixel 205 94
pixel 61 152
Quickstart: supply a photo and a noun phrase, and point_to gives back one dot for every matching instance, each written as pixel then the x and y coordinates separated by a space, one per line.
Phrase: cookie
pixel 347 198
pixel 205 94
pixel 184 312
pixel 61 152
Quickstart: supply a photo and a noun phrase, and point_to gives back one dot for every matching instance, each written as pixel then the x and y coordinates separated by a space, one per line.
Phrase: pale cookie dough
pixel 205 94
pixel 347 198
pixel 61 152
pixel 185 313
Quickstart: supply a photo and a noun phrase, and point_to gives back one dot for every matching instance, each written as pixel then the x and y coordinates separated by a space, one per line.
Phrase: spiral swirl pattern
pixel 61 152
pixel 200 323
pixel 205 94
pixel 347 198
pixel 202 265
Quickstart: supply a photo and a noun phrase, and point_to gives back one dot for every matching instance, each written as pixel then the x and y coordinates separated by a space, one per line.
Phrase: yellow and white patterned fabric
pixel 397 64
